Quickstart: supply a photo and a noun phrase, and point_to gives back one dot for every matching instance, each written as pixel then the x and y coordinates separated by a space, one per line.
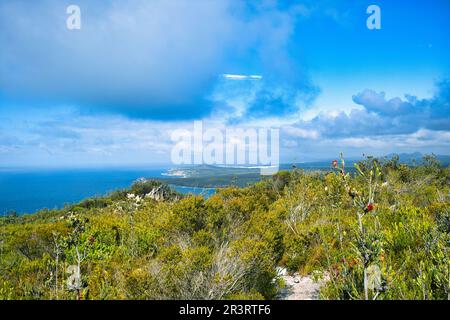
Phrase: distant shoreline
pixel 30 190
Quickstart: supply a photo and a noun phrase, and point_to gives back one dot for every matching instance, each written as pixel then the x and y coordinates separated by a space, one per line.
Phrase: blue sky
pixel 110 93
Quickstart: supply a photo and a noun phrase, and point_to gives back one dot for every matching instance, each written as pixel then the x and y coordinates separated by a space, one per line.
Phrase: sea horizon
pixel 25 190
pixel 29 190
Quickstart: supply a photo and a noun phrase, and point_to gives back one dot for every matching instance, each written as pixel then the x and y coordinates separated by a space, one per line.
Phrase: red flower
pixel 335 163
pixel 91 239
pixel 370 207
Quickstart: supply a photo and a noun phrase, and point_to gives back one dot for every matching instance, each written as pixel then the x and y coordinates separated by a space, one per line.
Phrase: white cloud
pixel 301 133
pixel 241 77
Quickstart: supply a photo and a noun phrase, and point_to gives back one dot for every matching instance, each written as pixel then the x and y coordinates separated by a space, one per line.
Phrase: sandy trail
pixel 301 287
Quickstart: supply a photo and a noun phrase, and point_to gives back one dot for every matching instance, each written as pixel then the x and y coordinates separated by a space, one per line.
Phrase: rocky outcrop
pixel 160 193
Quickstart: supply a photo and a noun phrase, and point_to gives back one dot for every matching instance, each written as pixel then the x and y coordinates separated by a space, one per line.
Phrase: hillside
pixel 210 176
pixel 376 230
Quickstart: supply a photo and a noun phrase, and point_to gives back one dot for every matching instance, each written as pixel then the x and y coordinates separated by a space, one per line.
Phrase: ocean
pixel 27 191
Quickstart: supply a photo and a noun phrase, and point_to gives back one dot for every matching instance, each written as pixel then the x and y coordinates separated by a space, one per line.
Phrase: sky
pixel 112 92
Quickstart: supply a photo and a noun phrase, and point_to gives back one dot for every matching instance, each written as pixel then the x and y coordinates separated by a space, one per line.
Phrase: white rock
pixel 281 271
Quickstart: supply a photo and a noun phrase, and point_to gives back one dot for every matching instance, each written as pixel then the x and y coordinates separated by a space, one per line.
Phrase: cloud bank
pixel 144 59
pixel 380 116
pixel 378 126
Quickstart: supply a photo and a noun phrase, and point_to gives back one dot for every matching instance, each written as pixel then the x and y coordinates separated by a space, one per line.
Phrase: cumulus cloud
pixel 378 116
pixel 379 126
pixel 300 133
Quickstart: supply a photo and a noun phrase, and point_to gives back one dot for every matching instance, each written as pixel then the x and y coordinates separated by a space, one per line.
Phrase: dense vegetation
pixel 380 233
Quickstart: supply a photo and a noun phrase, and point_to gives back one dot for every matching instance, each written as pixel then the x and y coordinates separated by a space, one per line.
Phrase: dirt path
pixel 301 288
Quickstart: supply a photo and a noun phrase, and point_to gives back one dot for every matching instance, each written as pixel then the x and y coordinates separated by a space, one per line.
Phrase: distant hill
pixel 417 158
pixel 210 176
